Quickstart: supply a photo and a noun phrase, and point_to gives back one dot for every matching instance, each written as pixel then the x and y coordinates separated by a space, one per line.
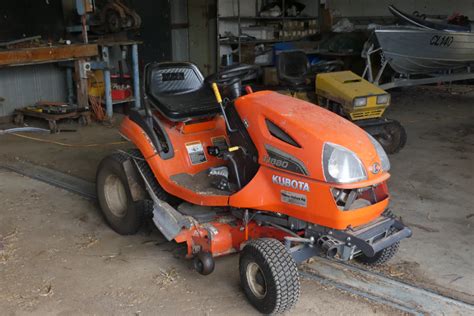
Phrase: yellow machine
pixel 362 102
pixel 351 95
pixel 344 93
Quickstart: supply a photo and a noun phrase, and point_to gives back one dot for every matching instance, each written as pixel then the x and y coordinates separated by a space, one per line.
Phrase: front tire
pixel 123 215
pixel 269 276
pixel 393 138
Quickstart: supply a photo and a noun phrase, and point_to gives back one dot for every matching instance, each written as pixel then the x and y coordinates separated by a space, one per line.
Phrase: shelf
pixel 257 41
pixel 285 18
pixel 129 99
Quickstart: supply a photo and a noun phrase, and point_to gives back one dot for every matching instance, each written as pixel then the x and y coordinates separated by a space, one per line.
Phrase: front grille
pixel 366 114
pixel 353 199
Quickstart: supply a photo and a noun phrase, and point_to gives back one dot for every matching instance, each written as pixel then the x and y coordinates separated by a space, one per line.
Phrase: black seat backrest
pixel 172 78
pixel 178 90
pixel 292 65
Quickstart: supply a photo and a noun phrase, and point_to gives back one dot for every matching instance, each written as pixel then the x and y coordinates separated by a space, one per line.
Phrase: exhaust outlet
pixel 329 246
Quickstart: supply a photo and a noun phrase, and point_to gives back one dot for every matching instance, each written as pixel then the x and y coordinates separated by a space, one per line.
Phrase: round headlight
pixel 341 165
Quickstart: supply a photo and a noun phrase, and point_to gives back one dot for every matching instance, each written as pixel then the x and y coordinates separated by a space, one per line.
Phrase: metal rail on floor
pixel 382 289
pixel 52 177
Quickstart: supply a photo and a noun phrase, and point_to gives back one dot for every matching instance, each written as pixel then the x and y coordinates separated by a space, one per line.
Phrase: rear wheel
pixel 123 215
pixel 269 276
pixel 393 138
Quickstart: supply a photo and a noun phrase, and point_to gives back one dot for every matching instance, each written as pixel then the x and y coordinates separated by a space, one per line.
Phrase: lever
pixel 217 152
pixel 226 154
pixel 219 100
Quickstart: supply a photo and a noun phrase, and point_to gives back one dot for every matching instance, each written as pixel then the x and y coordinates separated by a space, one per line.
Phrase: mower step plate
pixel 168 220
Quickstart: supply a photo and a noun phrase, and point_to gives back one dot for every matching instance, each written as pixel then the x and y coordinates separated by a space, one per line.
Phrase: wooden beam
pixel 38 55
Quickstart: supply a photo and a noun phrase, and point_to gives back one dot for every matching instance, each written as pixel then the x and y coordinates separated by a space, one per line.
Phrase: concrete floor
pixel 58 257
pixel 57 240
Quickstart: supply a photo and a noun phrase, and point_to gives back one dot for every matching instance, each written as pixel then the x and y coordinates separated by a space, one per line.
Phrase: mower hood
pixel 310 127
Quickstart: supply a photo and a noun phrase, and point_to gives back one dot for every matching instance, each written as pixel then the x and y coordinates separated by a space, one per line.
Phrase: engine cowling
pixel 290 134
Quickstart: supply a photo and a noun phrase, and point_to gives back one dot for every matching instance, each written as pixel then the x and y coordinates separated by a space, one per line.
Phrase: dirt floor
pixel 57 255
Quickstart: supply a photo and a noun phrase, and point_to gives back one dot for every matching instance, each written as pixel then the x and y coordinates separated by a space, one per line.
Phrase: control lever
pixel 217 152
pixel 226 154
pixel 219 100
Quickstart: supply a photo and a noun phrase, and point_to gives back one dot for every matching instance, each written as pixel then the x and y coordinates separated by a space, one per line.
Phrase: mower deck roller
pixel 272 177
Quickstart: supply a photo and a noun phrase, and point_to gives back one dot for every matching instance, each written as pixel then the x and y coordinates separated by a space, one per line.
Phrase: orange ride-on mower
pixel 270 176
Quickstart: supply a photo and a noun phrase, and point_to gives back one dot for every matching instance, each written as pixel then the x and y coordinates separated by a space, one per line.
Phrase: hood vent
pixel 277 132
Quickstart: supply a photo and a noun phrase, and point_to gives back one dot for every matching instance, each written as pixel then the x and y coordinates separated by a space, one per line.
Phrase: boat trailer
pixel 407 80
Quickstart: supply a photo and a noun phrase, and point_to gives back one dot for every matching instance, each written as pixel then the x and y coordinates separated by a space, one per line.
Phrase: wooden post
pixel 80 76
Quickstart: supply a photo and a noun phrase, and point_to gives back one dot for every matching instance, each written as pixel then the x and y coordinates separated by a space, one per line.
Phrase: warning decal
pixel 293 198
pixel 196 153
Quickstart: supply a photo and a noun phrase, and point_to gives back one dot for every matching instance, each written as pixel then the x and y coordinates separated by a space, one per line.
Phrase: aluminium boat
pixel 414 50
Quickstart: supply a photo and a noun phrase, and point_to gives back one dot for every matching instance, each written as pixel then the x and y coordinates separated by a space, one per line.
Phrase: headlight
pixel 361 101
pixel 381 152
pixel 341 165
pixel 383 99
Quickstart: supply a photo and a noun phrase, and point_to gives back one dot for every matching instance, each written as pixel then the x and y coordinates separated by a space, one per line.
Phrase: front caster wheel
pixel 204 263
pixel 269 276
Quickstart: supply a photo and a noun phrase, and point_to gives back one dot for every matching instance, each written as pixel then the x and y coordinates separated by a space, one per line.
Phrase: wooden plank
pixel 38 55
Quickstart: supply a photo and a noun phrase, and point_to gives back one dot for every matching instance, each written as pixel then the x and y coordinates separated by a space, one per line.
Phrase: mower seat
pixel 292 70
pixel 179 92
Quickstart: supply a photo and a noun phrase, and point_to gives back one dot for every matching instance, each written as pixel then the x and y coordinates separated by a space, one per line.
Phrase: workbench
pixel 106 66
pixel 46 54
pixel 77 54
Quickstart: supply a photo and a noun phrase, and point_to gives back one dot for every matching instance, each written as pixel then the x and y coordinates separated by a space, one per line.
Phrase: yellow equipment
pixel 344 93
pixel 358 98
pixel 362 102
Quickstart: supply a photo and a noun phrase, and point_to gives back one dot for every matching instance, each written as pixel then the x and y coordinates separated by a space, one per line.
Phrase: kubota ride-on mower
pixel 344 93
pixel 270 176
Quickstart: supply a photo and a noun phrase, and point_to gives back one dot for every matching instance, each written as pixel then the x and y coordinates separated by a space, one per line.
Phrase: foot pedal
pixel 220 179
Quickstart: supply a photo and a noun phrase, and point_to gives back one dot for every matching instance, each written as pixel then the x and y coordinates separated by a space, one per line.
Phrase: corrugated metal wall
pixel 179 36
pixel 25 85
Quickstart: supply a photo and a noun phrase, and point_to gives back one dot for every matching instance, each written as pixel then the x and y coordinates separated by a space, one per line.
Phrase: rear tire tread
pixel 135 214
pixel 150 177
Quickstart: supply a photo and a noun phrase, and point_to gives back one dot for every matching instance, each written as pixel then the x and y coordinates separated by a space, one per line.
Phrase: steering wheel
pixel 233 74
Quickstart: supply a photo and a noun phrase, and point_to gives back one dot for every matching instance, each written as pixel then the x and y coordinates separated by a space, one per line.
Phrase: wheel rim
pixel 115 195
pixel 385 140
pixel 256 280
pixel 390 137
